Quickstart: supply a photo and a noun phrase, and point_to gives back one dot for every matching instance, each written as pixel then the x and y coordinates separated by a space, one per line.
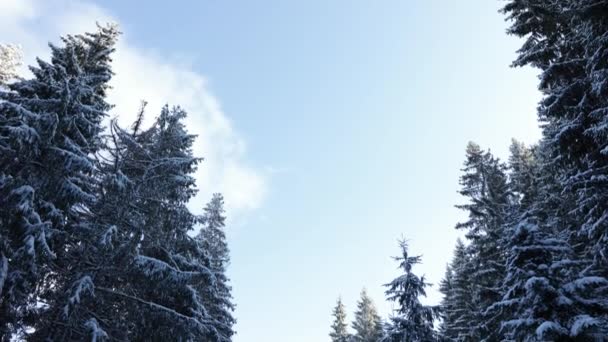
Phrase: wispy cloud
pixel 143 74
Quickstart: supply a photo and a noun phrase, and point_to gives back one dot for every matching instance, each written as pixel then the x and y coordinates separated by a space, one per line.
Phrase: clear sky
pixel 334 128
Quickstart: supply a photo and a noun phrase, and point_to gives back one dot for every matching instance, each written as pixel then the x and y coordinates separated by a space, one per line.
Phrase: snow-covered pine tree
pixel 212 233
pixel 339 327
pixel 141 274
pixel 10 60
pixel 367 323
pixel 170 264
pixel 50 129
pixel 544 293
pixel 446 307
pixel 108 248
pixel 457 306
pixel 213 239
pixel 566 40
pixel 484 184
pixel 411 321
pixel 170 277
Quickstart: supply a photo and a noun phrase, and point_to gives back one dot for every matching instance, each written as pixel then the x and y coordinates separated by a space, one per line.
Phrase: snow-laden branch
pixel 198 322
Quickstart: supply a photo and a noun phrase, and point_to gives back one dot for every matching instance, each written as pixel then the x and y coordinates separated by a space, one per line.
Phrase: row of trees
pixel 410 321
pixel 534 266
pixel 367 323
pixel 96 239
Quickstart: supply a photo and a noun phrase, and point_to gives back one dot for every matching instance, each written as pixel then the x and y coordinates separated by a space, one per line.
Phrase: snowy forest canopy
pixel 534 266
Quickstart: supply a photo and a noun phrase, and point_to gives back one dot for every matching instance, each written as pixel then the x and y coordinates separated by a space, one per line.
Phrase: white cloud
pixel 145 75
pixel 16 8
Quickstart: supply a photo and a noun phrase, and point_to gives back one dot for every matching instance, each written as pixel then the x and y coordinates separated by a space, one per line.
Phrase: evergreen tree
pixel 213 241
pixel 484 183
pixel 544 294
pixel 95 233
pixel 50 129
pixel 446 286
pixel 169 265
pixel 547 295
pixel 412 321
pixel 339 328
pixel 457 307
pixel 141 274
pixel 170 279
pixel 367 323
pixel 566 40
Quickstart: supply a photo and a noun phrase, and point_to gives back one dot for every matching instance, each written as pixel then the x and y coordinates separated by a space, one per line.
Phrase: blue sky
pixel 333 127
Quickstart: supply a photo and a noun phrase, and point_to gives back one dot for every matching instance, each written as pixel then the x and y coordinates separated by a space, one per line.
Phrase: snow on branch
pixel 10 60
pixel 80 287
pixel 97 333
pixel 106 238
pixel 156 268
pixel 192 320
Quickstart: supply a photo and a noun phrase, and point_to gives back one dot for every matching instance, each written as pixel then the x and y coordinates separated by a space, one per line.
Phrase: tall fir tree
pixel 367 323
pixel 171 275
pixel 339 327
pixel 566 41
pixel 169 263
pixel 457 306
pixel 544 295
pixel 411 321
pixel 446 287
pixel 213 240
pixel 50 129
pixel 484 184
pixel 547 295
pixel 141 273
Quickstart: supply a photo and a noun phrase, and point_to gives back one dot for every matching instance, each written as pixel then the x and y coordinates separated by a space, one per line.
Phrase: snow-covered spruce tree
pixel 446 286
pixel 547 295
pixel 213 240
pixel 411 321
pixel 10 60
pixel 141 275
pixel 107 250
pixel 367 323
pixel 544 293
pixel 339 327
pixel 484 184
pixel 566 40
pixel 50 129
pixel 171 265
pixel 457 306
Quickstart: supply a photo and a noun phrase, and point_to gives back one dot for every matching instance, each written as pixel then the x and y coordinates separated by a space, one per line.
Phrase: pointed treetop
pixel 339 328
